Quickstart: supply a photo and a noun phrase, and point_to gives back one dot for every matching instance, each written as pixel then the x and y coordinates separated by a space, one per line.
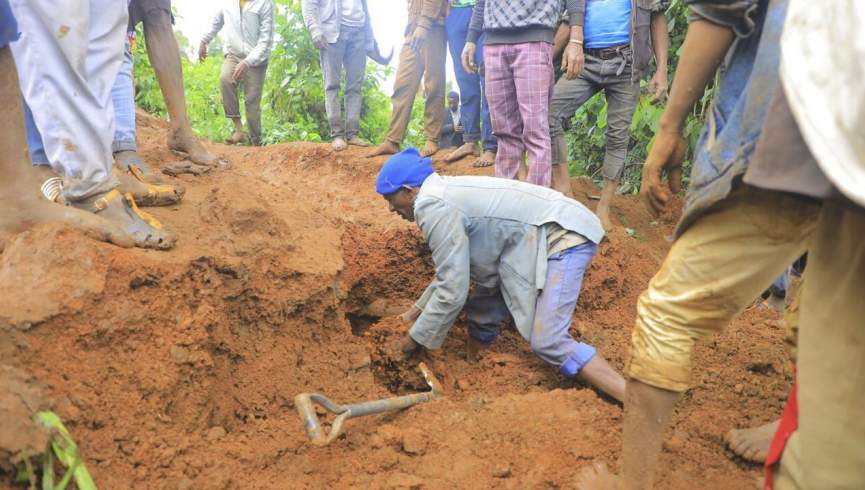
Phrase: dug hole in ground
pixel 178 369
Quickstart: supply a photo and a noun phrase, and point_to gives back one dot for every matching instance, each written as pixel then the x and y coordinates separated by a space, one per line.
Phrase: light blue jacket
pixel 489 230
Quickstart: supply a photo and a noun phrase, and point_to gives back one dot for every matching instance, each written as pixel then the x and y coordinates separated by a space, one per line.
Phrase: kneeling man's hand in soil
pixel 403 348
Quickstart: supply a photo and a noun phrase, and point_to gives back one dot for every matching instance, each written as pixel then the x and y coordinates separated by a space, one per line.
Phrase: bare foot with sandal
pixel 487 159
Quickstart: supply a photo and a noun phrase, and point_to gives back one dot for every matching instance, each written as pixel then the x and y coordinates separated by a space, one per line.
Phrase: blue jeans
pixel 123 98
pixel 550 339
pixel 34 139
pixel 473 104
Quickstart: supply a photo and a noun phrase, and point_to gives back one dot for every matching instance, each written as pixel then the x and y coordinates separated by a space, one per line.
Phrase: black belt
pixel 607 53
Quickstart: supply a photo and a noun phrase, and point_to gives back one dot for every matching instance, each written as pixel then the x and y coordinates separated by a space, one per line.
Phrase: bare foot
pixel 24 207
pixel 386 148
pixel 338 144
pixel 184 142
pixel 487 159
pixel 752 444
pixel 145 230
pixel 474 347
pixel 185 167
pixel 562 179
pixel 462 152
pixel 603 209
pixel 597 477
pixel 236 138
pixel 356 141
pixel 146 193
pixel 430 148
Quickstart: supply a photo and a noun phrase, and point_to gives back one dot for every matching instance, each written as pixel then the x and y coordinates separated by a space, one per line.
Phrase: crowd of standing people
pixel 778 172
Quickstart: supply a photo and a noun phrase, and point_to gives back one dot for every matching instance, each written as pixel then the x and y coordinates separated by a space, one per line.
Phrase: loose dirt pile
pixel 178 369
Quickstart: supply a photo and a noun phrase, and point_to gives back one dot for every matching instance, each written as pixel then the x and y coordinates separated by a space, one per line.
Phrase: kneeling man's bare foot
pixel 468 149
pixel 752 444
pixel 597 477
pixel 430 148
pixel 386 148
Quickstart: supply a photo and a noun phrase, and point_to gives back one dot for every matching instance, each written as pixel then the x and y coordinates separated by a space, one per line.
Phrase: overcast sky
pixel 388 22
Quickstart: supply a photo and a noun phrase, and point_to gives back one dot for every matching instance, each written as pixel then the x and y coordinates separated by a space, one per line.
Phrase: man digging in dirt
pixel 70 102
pixel 526 247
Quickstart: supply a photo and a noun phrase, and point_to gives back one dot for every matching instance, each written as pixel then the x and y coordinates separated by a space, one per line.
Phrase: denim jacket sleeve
pixel 444 228
pixel 476 25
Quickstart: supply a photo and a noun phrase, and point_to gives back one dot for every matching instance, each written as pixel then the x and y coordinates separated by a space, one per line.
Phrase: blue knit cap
pixel 404 168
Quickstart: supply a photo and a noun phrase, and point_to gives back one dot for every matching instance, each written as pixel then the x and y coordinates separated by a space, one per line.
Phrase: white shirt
pixel 823 73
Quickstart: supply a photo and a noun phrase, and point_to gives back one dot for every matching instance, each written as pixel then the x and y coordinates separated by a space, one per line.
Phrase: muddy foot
pixel 487 159
pixel 338 144
pixel 184 143
pixel 146 193
pixel 597 477
pixel 120 210
pixel 603 213
pixel 24 206
pixel 752 444
pixel 356 141
pixel 430 148
pixel 468 149
pixel 125 159
pixel 386 148
pixel 185 167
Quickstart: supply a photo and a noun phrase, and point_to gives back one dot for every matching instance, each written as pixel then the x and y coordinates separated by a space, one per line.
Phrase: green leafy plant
pixel 63 450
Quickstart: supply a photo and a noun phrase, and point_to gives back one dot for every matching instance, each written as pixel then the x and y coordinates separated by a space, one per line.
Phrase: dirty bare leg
pixel 601 375
pixel 603 210
pixel 165 58
pixel 753 443
pixel 562 179
pixel 20 198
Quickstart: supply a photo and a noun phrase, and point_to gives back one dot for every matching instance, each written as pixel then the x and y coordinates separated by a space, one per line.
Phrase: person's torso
pixel 607 23
pixel 244 23
pixel 352 13
pixel 415 7
pixel 508 15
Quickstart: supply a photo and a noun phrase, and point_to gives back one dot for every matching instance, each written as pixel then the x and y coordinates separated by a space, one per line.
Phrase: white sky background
pixel 388 22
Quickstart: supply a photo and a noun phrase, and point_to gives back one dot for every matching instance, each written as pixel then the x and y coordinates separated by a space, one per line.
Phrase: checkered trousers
pixel 519 83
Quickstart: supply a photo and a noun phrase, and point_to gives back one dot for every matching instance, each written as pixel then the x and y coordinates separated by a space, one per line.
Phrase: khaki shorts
pixel 714 270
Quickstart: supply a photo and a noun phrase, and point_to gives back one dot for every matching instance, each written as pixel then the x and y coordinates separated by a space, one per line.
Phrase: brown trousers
pixel 429 64
pixel 253 84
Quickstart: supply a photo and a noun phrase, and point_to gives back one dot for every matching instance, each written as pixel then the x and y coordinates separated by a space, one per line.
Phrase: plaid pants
pixel 519 82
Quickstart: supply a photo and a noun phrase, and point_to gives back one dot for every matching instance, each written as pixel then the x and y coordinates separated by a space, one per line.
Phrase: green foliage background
pixel 293 100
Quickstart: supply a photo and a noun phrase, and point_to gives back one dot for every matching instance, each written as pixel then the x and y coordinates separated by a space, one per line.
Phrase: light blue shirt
pixel 607 23
pixel 491 231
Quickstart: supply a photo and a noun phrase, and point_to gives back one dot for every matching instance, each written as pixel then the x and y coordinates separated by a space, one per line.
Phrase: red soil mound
pixel 178 369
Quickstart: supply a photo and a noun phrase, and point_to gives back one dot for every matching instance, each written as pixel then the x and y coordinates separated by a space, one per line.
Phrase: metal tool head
pixel 431 380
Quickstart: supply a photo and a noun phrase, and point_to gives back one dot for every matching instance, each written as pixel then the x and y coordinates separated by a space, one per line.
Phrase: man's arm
pixel 215 27
pixel 444 229
pixel 261 52
pixel 476 25
pixel 660 45
pixel 573 59
pixel 704 48
pixel 311 11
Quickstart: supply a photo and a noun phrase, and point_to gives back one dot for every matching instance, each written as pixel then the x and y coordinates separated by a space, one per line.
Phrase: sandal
pixel 145 193
pixel 120 209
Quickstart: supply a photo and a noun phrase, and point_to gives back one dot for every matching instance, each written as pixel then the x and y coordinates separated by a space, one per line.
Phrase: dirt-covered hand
pixel 468 58
pixel 411 314
pixel 239 71
pixel 202 51
pixel 319 41
pixel 658 87
pixel 573 60
pixel 418 38
pixel 403 348
pixel 666 157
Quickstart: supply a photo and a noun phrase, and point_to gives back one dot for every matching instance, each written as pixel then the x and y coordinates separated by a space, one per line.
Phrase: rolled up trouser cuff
pixel 574 364
pixel 613 167
pixel 75 190
pixel 660 374
pixel 123 145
